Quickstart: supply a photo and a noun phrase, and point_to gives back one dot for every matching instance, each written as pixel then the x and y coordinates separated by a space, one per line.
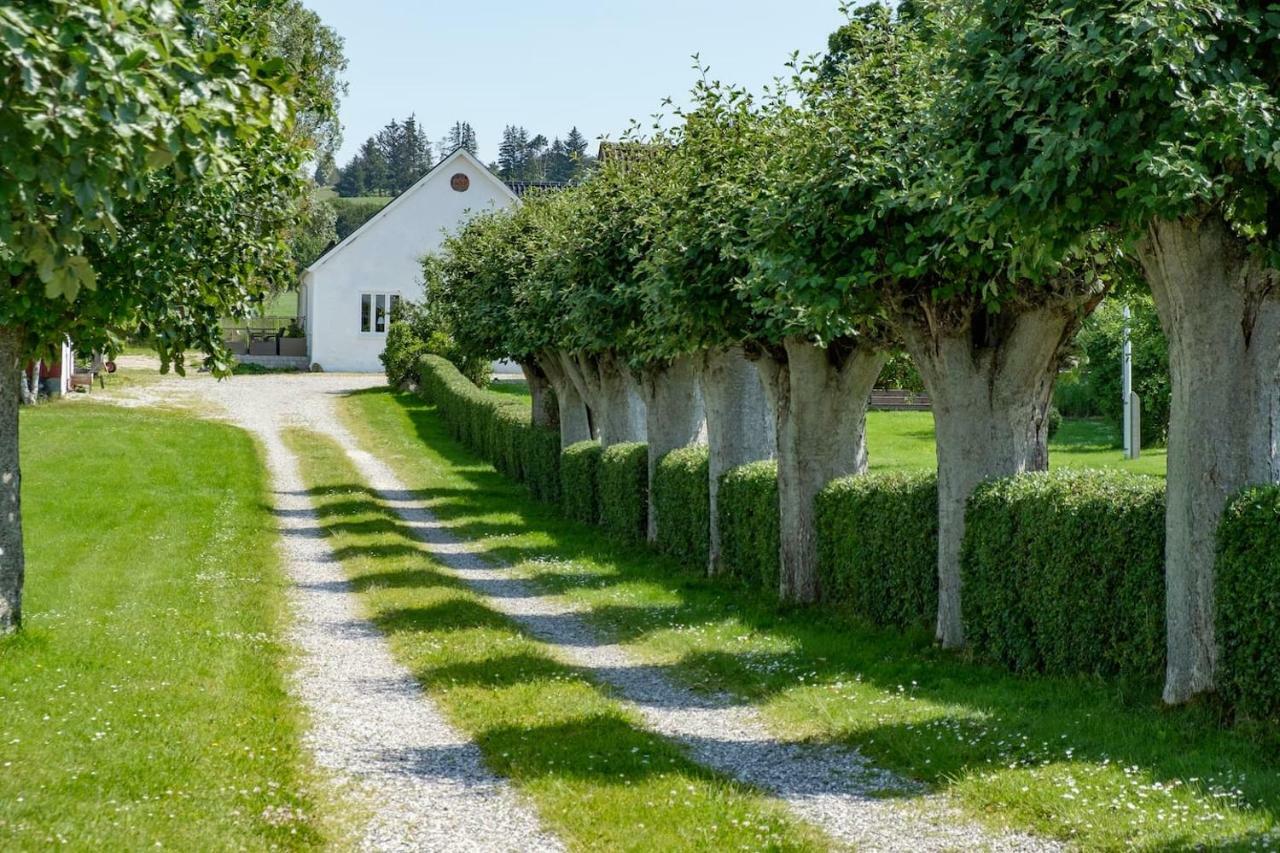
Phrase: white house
pixel 347 294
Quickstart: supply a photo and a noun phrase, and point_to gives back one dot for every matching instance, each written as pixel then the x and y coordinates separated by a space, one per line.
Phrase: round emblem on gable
pixel 460 182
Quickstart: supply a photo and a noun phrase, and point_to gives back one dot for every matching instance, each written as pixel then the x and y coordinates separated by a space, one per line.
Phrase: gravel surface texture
pixel 834 788
pixel 423 783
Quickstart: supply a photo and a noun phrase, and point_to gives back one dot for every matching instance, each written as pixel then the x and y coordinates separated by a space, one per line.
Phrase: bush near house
pixel 878 547
pixel 682 501
pixel 1248 603
pixel 624 490
pixel 749 528
pixel 1063 574
pixel 580 481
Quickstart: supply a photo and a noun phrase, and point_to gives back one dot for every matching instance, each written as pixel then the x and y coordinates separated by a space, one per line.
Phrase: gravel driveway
pixel 372 723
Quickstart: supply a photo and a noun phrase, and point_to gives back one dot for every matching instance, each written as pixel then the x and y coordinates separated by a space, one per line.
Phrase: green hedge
pixel 496 426
pixel 878 547
pixel 624 490
pixel 1063 573
pixel 682 501
pixel 749 537
pixel 1248 603
pixel 580 481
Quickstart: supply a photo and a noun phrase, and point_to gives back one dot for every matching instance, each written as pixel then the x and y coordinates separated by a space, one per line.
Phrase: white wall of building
pixel 384 256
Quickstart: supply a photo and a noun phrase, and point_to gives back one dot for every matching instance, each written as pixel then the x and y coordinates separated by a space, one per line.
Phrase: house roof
pixel 458 154
pixel 520 188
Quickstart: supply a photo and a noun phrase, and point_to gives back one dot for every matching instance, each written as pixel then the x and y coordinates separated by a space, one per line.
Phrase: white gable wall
pixel 385 256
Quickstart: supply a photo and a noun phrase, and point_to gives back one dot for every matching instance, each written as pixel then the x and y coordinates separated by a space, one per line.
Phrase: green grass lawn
pixel 144 704
pixel 898 441
pixel 595 775
pixel 1102 764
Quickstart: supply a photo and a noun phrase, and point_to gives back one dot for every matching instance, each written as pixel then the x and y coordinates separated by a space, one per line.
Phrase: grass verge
pixel 1098 763
pixel 598 779
pixel 145 702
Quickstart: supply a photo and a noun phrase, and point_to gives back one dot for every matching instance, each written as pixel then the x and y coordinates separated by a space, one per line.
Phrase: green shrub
pixel 495 426
pixel 1248 603
pixel 624 490
pixel 1055 421
pixel 749 537
pixel 682 500
pixel 1063 573
pixel 878 547
pixel 418 328
pixel 580 481
pixel 403 352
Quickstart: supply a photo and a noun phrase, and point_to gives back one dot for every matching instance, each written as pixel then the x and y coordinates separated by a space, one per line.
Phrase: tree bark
pixel 819 397
pixel 29 390
pixel 1220 309
pixel 544 408
pixel 740 427
pixel 674 416
pixel 575 425
pixel 990 380
pixel 612 393
pixel 12 559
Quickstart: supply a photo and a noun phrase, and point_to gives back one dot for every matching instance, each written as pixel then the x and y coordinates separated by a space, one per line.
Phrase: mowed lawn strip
pixel 145 702
pixel 597 778
pixel 1099 763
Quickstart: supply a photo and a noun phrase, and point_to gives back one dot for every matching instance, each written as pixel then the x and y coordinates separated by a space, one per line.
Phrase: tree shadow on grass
pixel 1104 722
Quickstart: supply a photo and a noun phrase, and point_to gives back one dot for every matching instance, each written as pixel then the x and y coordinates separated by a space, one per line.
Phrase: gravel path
pixel 832 787
pixel 423 781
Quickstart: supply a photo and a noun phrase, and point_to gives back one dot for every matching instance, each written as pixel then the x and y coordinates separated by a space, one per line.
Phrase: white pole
pixel 1126 386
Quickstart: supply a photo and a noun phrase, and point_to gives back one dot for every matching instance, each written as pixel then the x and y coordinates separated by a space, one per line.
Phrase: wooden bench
pixel 897 400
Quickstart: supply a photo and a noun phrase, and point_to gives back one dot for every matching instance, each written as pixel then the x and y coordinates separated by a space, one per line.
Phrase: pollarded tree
pixel 99 98
pixel 1157 120
pixel 692 310
pixel 864 207
pixel 589 261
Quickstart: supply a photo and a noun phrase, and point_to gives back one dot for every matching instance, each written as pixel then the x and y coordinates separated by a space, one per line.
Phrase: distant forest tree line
pixel 393 159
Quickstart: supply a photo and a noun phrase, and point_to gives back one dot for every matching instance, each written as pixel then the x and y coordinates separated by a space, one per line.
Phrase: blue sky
pixel 549 66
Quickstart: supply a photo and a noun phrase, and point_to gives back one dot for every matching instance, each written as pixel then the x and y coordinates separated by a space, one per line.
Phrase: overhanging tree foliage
pixel 107 105
pixel 1158 121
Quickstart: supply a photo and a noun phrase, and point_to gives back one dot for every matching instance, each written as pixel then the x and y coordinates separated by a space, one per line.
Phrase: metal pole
pixel 1126 386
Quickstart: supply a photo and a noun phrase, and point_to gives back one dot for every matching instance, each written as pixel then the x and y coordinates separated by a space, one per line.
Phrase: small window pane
pixel 380 315
pixel 395 303
pixel 365 301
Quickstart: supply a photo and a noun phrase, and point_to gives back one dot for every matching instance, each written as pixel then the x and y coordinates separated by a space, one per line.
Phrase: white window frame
pixel 388 297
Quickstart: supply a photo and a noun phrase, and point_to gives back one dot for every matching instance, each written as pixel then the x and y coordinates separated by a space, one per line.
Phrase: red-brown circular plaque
pixel 460 183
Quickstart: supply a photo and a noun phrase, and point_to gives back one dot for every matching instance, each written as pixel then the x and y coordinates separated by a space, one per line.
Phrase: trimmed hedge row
pixel 749 530
pixel 878 547
pixel 1248 603
pixel 1063 573
pixel 580 481
pixel 682 501
pixel 496 426
pixel 624 490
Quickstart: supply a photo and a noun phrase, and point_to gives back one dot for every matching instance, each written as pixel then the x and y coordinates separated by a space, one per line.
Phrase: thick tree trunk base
pixel 613 395
pixel 12 558
pixel 819 397
pixel 571 409
pixel 674 417
pixel 1220 310
pixel 544 408
pixel 991 394
pixel 740 427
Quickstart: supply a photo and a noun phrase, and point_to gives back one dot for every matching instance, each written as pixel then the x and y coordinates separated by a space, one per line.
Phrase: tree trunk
pixel 673 413
pixel 612 393
pixel 991 382
pixel 29 390
pixel 575 425
pixel 740 426
pixel 11 553
pixel 819 397
pixel 544 411
pixel 1220 312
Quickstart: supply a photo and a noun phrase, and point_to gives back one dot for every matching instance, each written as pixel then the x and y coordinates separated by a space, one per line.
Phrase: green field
pixel 1099 764
pixel 145 704
pixel 905 441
